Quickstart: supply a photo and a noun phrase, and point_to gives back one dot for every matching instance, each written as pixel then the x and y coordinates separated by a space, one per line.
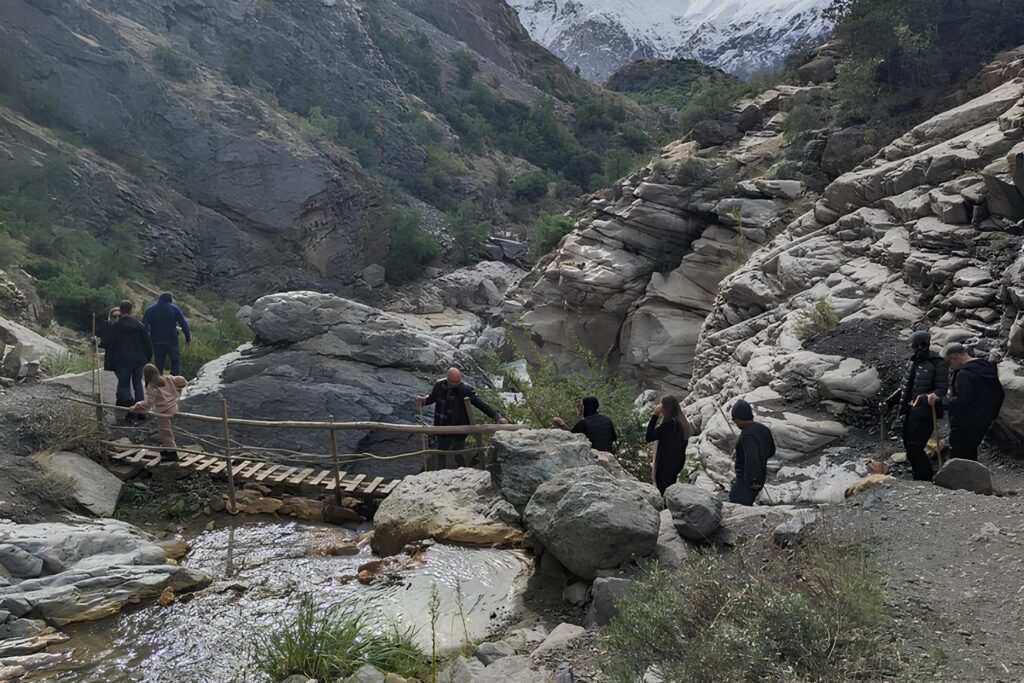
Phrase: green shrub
pixel 548 231
pixel 330 644
pixel 211 341
pixel 553 391
pixel 237 68
pixel 740 254
pixel 815 320
pixel 813 613
pixel 75 303
pixel 468 234
pixel 530 187
pixel 411 249
pixel 173 64
pixel 466 67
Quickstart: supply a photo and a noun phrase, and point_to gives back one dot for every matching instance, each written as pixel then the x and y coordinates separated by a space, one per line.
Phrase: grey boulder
pixel 96 489
pixel 523 460
pixel 591 521
pixel 488 653
pixel 606 592
pixel 968 475
pixel 695 512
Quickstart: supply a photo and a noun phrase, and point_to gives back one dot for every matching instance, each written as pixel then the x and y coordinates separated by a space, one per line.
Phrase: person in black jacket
pixel 753 450
pixel 672 435
pixel 974 400
pixel 926 374
pixel 128 349
pixel 597 427
pixel 448 396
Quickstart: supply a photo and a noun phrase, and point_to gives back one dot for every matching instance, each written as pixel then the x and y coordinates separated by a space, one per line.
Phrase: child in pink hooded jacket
pixel 162 395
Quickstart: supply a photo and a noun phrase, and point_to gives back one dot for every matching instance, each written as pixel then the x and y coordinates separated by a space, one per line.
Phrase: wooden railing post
pixel 227 454
pixel 96 390
pixel 423 440
pixel 337 469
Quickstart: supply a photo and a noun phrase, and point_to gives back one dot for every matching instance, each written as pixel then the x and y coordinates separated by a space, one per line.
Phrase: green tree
pixel 548 231
pixel 468 234
pixel 410 248
pixel 466 67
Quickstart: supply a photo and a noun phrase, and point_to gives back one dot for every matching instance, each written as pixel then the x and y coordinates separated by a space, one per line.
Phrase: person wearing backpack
pixel 927 373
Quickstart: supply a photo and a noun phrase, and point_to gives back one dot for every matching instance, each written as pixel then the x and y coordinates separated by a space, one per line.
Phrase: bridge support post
pixel 96 395
pixel 227 454
pixel 337 469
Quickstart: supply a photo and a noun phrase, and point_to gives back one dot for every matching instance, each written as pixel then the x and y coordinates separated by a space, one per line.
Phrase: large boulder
pixel 695 512
pixel 84 570
pixel 672 550
pixel 22 350
pixel 318 356
pixel 606 592
pixel 523 460
pixel 460 506
pixel 968 475
pixel 590 521
pixel 96 489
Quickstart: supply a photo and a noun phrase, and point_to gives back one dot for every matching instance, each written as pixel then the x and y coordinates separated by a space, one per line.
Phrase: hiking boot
pixel 168 456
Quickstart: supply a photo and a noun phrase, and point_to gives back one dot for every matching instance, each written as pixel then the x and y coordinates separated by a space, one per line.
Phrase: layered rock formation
pixel 925 235
pixel 639 274
pixel 317 356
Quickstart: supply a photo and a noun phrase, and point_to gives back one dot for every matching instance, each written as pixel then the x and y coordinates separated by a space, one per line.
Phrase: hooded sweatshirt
pixel 597 427
pixel 977 396
pixel 162 320
pixel 163 400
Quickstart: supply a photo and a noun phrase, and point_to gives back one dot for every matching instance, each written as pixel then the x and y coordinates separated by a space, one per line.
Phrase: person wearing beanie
pixel 974 400
pixel 162 320
pixel 598 428
pixel 927 373
pixel 754 447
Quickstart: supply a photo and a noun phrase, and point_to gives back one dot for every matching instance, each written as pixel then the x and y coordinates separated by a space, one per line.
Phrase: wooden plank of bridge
pixel 329 485
pixel 372 485
pixel 248 474
pixel 154 460
pixel 263 475
pixel 389 487
pixel 223 464
pixel 189 460
pixel 318 478
pixel 279 477
pixel 209 462
pixel 124 454
pixel 352 484
pixel 139 455
pixel 297 479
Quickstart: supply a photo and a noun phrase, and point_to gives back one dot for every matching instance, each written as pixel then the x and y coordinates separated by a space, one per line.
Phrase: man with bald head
pixel 449 399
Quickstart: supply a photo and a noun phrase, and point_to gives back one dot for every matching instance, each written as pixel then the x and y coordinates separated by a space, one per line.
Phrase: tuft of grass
pixel 51 484
pixel 815 320
pixel 816 612
pixel 64 363
pixel 332 643
pixel 73 427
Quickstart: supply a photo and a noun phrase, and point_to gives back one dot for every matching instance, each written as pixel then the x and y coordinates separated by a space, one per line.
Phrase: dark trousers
pixel 964 442
pixel 129 385
pixel 916 432
pixel 161 352
pixel 448 442
pixel 741 492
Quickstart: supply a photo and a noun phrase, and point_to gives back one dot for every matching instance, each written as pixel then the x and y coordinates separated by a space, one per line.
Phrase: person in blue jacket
pixel 162 320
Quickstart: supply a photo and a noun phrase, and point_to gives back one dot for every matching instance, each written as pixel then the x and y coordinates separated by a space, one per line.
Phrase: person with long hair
pixel 162 395
pixel 672 434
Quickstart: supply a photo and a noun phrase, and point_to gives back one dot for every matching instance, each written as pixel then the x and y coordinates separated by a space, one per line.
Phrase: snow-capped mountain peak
pixel 739 36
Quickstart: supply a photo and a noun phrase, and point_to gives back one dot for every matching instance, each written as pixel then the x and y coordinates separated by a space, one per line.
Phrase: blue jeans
pixel 742 493
pixel 129 386
pixel 162 351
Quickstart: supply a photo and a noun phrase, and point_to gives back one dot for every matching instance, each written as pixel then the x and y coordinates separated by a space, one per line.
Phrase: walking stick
pixel 881 428
pixel 938 437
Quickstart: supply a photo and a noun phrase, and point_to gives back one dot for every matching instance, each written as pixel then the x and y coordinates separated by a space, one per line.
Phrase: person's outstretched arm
pixel 184 324
pixel 483 406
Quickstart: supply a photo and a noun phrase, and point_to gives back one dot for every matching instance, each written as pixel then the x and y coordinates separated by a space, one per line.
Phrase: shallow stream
pixel 260 570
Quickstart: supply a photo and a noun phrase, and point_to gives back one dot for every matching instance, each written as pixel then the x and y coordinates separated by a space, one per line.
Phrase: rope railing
pixel 230 446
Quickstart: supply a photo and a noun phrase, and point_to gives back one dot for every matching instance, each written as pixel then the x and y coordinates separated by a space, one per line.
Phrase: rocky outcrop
pixel 317 356
pixel 21 350
pixel 64 573
pixel 925 234
pixel 96 489
pixel 695 513
pixel 458 506
pixel 639 274
pixel 590 522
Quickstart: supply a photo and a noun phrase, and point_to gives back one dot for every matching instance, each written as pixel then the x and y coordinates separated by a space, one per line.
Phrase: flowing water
pixel 260 570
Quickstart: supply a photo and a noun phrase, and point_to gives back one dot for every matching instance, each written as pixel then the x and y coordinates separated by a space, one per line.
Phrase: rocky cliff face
pixel 191 123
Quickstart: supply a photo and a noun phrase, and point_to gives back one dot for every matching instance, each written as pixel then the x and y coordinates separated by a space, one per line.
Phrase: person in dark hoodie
pixel 162 320
pixel 127 349
pixel 974 400
pixel 597 427
pixel 754 448
pixel 927 373
pixel 448 396
pixel 672 436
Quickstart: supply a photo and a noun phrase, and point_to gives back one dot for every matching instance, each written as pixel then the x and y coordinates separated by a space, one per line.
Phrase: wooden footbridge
pixel 305 473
